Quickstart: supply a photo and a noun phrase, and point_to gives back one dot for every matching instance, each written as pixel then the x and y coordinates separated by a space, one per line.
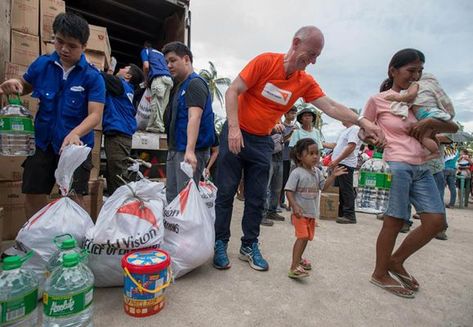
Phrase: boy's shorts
pixel 304 227
pixel 38 173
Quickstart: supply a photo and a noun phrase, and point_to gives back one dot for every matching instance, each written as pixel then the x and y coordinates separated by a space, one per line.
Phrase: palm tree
pixel 210 75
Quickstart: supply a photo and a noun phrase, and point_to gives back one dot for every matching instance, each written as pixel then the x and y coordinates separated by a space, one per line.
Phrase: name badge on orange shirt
pixel 275 94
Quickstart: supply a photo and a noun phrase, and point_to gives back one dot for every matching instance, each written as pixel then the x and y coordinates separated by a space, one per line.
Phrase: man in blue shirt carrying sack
pixel 189 120
pixel 72 96
pixel 160 84
pixel 119 123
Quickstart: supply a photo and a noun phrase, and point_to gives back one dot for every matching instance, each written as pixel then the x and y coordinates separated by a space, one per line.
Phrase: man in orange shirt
pixel 256 100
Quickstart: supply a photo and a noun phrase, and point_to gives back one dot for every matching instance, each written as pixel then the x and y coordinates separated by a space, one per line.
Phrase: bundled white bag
pixel 208 192
pixel 189 234
pixel 131 219
pixel 62 216
pixel 143 112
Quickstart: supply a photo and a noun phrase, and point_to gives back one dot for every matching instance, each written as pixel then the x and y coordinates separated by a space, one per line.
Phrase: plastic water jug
pixel 373 185
pixel 18 293
pixel 16 129
pixel 68 294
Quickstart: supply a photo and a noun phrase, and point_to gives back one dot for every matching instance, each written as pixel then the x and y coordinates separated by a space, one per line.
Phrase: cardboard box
pixel 148 141
pixel 94 201
pixel 1 225
pixel 47 47
pixel 95 172
pixel 329 201
pixel 24 48
pixel 11 168
pixel 48 10
pixel 25 16
pixel 14 70
pixel 163 142
pixel 13 203
pixel 97 59
pixel 98 40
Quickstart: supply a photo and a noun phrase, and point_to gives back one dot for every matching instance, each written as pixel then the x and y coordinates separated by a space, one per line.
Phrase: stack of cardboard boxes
pixel 31 34
pixel 98 51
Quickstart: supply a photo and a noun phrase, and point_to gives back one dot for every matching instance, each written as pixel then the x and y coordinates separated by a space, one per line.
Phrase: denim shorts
pixel 412 184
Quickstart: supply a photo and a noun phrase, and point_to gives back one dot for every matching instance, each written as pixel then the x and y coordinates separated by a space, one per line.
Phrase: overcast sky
pixel 360 39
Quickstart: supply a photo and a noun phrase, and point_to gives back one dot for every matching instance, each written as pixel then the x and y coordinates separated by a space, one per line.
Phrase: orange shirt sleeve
pixel 314 91
pixel 255 70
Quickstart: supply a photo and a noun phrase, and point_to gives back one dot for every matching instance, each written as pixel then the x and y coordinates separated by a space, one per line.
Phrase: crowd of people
pixel 266 145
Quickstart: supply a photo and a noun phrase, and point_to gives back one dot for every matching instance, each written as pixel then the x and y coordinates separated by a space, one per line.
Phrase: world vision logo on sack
pixel 275 94
pixel 183 196
pixel 137 209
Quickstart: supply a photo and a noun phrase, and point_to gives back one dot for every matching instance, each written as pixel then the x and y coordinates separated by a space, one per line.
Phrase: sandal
pixel 406 281
pixel 299 272
pixel 305 264
pixel 396 289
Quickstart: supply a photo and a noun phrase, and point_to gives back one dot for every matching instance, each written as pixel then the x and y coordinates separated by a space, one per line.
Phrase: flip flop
pixel 298 273
pixel 394 289
pixel 406 281
pixel 305 264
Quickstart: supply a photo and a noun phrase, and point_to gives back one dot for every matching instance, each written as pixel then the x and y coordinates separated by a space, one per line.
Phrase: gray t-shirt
pixel 306 185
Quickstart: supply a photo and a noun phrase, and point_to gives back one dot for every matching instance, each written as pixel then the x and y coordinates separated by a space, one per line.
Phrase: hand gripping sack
pixel 131 219
pixel 62 216
pixel 189 234
pixel 143 112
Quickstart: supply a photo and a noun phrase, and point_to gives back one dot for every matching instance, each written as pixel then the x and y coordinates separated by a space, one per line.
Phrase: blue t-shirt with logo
pixel 64 98
pixel 157 63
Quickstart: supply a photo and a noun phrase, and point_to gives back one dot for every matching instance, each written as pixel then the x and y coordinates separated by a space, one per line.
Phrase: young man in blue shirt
pixel 71 94
pixel 160 84
pixel 189 120
pixel 119 123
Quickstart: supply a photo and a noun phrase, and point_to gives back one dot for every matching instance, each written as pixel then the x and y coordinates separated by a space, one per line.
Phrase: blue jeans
pixel 274 183
pixel 255 161
pixel 412 184
pixel 450 179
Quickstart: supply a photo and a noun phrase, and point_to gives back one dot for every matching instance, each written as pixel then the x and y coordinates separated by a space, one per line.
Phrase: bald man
pixel 264 91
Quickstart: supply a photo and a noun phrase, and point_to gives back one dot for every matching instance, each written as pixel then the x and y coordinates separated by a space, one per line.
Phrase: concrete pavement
pixel 336 294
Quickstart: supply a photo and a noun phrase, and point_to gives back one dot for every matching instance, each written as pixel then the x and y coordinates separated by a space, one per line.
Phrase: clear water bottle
pixel 18 293
pixel 16 129
pixel 373 185
pixel 68 295
pixel 66 244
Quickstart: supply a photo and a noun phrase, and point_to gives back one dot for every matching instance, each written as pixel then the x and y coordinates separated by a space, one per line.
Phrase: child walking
pixel 302 189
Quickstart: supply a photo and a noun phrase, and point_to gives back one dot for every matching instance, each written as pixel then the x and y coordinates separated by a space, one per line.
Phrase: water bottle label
pixel 60 306
pixel 18 308
pixel 16 124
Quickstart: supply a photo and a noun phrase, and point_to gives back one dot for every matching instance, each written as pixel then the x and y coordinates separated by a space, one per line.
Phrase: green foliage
pixel 211 76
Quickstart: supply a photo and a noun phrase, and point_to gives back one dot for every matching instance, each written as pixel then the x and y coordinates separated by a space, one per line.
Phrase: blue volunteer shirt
pixel 119 112
pixel 63 98
pixel 157 63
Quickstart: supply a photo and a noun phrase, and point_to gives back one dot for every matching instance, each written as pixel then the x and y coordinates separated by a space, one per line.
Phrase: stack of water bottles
pixel 373 185
pixel 16 129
